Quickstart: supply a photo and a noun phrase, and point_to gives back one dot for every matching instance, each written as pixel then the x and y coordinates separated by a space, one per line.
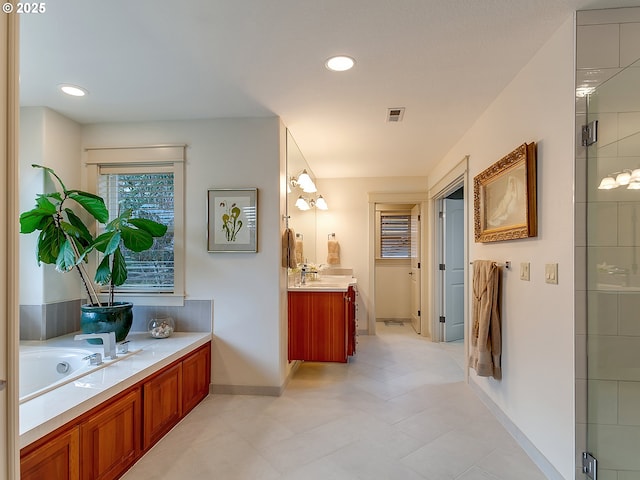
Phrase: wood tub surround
pixel 105 441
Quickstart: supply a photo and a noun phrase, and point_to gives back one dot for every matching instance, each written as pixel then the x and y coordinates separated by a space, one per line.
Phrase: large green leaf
pixel 155 229
pixel 83 232
pixel 32 220
pixel 66 257
pixel 107 242
pixel 45 204
pixel 103 272
pixel 91 203
pixel 118 268
pixel 136 240
pixel 49 243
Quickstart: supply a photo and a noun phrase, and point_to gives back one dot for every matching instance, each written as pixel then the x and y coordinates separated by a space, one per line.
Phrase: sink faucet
pixel 108 342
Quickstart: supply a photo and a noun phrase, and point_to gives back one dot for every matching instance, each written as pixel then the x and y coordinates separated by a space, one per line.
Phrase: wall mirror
pixel 303 222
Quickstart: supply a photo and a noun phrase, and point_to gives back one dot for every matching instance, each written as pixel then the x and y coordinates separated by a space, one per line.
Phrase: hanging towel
pixel 288 248
pixel 333 249
pixel 486 341
pixel 299 250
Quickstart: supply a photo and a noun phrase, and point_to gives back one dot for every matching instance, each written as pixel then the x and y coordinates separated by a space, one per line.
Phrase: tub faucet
pixel 108 342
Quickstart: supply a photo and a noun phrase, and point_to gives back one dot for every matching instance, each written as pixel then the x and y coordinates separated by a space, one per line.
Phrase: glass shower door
pixel 613 277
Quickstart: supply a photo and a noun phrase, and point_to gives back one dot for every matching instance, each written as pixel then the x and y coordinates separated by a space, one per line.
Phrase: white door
pixel 454 269
pixel 415 269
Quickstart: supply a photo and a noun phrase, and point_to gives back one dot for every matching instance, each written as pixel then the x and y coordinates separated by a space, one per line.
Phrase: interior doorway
pixel 450 263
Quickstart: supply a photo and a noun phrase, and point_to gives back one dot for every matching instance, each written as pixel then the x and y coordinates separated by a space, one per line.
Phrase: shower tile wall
pixel 607 235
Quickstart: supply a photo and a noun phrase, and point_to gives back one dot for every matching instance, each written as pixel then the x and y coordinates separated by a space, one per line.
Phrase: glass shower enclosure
pixel 613 277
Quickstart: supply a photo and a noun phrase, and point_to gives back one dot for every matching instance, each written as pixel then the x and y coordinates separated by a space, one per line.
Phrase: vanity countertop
pixel 327 283
pixel 53 409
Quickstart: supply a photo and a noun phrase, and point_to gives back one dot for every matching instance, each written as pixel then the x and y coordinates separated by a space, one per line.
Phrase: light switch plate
pixel 524 271
pixel 551 273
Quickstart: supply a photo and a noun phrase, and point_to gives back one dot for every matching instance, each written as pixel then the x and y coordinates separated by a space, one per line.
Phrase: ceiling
pixel 443 60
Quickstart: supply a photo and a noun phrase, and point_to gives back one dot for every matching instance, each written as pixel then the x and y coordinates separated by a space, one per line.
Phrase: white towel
pixel 333 257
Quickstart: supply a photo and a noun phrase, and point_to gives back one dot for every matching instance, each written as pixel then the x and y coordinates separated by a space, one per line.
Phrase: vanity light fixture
pixel 321 203
pixel 626 177
pixel 623 177
pixel 340 63
pixel 302 204
pixel 607 183
pixel 305 181
pixel 73 90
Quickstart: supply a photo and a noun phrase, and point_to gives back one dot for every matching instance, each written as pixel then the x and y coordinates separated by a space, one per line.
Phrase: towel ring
pixel 331 235
pixel 506 265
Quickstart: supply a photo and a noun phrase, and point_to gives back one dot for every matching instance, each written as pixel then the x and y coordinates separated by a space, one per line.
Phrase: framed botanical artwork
pixel 232 220
pixel 504 197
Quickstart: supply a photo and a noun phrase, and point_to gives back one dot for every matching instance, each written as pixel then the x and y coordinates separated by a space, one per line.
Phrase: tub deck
pixel 43 414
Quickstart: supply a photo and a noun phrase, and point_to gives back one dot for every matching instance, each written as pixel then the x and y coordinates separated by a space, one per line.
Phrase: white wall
pixel 537 389
pixel 50 139
pixel 248 303
pixel 348 218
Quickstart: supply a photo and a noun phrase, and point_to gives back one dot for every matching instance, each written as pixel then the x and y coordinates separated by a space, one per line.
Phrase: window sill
pixel 149 299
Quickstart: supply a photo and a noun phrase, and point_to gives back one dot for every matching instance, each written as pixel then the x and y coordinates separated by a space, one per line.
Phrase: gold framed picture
pixel 504 197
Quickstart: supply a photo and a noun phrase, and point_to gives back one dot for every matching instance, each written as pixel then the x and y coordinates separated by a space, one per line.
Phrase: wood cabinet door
pixel 162 404
pixel 57 459
pixel 317 326
pixel 196 377
pixel 110 439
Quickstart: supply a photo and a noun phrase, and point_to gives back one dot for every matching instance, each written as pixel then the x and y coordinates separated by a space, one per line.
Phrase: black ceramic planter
pixel 116 318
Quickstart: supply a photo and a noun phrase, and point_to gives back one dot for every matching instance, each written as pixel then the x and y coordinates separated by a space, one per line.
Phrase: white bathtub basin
pixel 43 369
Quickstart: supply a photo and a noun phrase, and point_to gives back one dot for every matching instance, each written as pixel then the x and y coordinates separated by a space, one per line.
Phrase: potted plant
pixel 65 240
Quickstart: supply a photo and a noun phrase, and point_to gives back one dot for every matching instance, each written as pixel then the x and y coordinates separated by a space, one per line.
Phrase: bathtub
pixel 44 369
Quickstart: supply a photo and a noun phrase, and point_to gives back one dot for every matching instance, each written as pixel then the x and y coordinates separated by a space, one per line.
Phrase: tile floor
pixel 399 410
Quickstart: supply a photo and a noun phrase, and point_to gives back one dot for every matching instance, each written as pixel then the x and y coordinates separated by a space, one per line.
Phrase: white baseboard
pixel 529 448
pixel 254 389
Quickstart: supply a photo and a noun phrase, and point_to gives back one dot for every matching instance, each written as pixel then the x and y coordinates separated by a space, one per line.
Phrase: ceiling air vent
pixel 395 114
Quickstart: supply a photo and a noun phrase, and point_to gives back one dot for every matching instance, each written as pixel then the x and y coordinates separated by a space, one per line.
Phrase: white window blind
pixel 395 235
pixel 149 195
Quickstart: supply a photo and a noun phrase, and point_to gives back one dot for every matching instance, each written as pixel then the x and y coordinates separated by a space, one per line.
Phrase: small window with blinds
pixel 395 235
pixel 149 195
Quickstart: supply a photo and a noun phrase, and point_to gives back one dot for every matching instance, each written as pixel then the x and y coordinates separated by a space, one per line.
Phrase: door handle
pixel 3 383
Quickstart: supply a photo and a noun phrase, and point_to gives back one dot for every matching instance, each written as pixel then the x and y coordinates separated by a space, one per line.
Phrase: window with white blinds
pixel 149 194
pixel 150 182
pixel 395 235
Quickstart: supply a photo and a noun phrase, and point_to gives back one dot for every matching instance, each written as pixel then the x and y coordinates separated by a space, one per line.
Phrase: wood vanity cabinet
pixel 321 325
pixel 58 457
pixel 110 439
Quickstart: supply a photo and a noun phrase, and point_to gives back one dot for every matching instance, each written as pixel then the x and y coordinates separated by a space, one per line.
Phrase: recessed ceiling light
pixel 73 90
pixel 340 63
